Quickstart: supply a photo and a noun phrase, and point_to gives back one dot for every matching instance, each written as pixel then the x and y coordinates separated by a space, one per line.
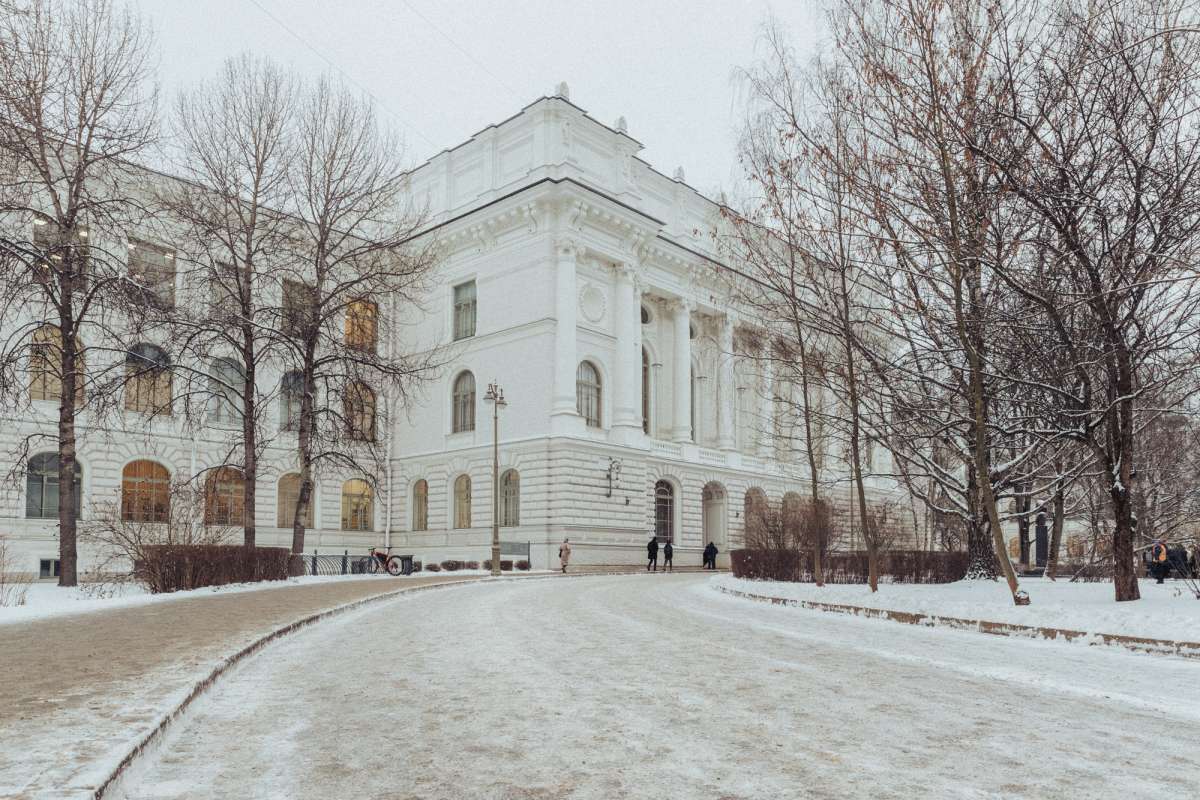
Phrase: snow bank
pixel 1169 611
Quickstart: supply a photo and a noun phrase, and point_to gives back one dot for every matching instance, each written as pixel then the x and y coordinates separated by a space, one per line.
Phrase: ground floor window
pixel 49 568
pixel 664 512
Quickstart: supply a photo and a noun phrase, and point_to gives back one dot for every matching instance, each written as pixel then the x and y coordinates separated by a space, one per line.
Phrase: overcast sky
pixel 444 69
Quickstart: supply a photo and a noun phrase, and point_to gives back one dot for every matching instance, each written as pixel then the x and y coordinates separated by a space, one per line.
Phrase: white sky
pixel 442 69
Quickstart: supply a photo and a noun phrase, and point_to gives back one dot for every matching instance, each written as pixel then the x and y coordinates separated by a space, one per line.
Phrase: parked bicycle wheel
pixel 394 565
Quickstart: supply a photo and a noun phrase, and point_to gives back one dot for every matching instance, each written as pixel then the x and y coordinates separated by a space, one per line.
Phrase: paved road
pixel 77 690
pixel 658 687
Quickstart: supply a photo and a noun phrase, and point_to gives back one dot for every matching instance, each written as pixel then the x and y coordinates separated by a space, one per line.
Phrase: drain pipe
pixel 388 404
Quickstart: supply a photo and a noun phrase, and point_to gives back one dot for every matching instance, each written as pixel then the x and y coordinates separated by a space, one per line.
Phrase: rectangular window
pixel 223 296
pixel 49 239
pixel 48 568
pixel 361 325
pixel 464 310
pixel 152 273
pixel 299 308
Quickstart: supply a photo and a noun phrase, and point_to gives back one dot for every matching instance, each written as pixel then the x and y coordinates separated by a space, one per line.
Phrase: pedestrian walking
pixel 710 556
pixel 564 553
pixel 652 554
pixel 1158 560
pixel 668 554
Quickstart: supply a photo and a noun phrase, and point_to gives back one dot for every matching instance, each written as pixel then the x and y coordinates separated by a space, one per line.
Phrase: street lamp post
pixel 495 396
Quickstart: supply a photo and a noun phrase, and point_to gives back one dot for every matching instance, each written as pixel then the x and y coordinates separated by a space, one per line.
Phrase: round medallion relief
pixel 592 304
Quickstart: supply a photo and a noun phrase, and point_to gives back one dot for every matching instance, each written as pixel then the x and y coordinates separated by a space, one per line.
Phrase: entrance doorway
pixel 715 515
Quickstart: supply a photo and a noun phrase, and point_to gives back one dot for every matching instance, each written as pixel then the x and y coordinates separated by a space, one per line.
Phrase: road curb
pixel 160 728
pixel 1141 644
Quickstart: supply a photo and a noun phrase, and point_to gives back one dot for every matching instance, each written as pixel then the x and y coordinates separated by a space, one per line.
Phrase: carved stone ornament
pixel 592 303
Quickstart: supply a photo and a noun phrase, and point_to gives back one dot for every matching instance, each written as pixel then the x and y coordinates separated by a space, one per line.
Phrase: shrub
pixel 175 567
pixel 450 565
pixel 416 566
pixel 471 565
pixel 898 566
pixel 433 567
pixel 523 565
pixel 505 565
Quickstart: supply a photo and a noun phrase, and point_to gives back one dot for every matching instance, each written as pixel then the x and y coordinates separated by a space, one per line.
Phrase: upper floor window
pixel 152 274
pixel 226 383
pixel 587 393
pixel 41 487
pixel 62 251
pixel 289 496
pixel 291 394
pixel 464 403
pixel 359 410
pixel 645 392
pixel 145 492
pixel 224 497
pixel 45 365
pixel 361 327
pixel 420 521
pixel 358 506
pixel 147 379
pixel 299 308
pixel 225 291
pixel 464 310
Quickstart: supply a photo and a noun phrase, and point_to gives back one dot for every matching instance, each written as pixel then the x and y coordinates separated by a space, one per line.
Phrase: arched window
pixel 754 508
pixel 224 497
pixel 289 495
pixel 45 365
pixel 291 394
pixel 510 499
pixel 645 316
pixel 420 509
pixel 361 325
pixel 645 392
pixel 41 487
pixel 358 506
pixel 464 402
pixel 587 393
pixel 226 383
pixel 145 492
pixel 462 501
pixel 664 511
pixel 147 380
pixel 359 410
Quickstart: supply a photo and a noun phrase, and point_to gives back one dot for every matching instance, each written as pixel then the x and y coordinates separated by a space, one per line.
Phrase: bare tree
pixel 76 104
pixel 1099 144
pixel 359 263
pixel 237 142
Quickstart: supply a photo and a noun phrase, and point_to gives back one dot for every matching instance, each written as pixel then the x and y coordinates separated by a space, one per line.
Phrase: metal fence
pixel 344 564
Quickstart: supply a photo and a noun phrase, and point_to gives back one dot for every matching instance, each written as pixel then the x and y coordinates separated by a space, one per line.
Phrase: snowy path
pixel 659 687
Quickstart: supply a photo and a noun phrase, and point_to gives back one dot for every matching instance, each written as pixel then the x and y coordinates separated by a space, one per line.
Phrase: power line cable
pixel 343 73
pixel 516 95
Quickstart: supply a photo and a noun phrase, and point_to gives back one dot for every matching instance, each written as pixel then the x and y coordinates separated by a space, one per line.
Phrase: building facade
pixel 586 285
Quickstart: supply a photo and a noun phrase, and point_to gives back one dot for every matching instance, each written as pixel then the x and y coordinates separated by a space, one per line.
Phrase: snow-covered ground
pixel 1167 611
pixel 46 599
pixel 659 687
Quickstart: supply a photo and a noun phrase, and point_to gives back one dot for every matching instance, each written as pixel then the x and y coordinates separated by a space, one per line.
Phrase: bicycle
pixel 381 559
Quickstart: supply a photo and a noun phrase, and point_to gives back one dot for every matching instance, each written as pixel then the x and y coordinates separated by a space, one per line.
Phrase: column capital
pixel 680 304
pixel 567 246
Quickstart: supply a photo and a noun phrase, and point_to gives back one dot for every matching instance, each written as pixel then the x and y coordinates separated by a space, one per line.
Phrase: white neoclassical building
pixel 584 283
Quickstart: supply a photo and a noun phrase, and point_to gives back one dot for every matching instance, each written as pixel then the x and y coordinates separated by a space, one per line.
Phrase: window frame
pixel 358 518
pixel 510 499
pixel 45 476
pixel 589 394
pixel 158 289
pixel 359 406
pixel 462 502
pixel 420 501
pixel 664 511
pixel 464 315
pixel 224 497
pixel 149 378
pixel 462 404
pixel 292 496
pixel 150 493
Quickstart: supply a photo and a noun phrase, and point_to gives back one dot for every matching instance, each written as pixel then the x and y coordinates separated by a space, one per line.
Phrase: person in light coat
pixel 564 553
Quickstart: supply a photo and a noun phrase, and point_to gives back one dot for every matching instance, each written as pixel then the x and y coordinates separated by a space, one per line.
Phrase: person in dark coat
pixel 1158 561
pixel 710 556
pixel 668 554
pixel 652 554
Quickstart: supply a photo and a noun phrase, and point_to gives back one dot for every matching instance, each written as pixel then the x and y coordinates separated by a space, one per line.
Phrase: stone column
pixel 766 432
pixel 727 387
pixel 565 305
pixel 682 371
pixel 626 371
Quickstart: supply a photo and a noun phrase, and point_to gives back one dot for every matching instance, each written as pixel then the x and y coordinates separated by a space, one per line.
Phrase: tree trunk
pixel 250 446
pixel 1056 530
pixel 981 560
pixel 67 521
pixel 304 499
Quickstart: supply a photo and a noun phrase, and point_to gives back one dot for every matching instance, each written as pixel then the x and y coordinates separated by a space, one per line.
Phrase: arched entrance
pixel 715 515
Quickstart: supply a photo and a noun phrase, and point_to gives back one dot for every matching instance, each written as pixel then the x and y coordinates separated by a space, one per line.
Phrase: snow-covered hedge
pixel 896 566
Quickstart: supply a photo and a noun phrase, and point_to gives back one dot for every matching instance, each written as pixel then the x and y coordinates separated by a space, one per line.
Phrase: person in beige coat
pixel 564 553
